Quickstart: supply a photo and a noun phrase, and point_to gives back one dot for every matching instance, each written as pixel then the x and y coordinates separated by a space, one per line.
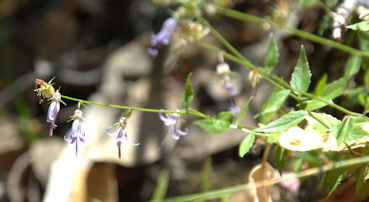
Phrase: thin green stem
pixel 305 173
pixel 251 18
pixel 318 119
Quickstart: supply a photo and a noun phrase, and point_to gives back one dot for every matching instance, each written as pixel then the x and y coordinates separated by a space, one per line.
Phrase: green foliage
pixel 280 157
pixel 306 3
pixel 188 94
pixel 274 102
pixel 353 65
pixel 325 120
pixel 361 179
pixel 297 165
pixel 323 25
pixel 161 186
pixel 301 76
pixel 345 129
pixel 310 156
pixel 334 178
pixel 243 111
pixel 206 175
pixel 272 56
pixel 219 124
pixel 246 144
pixel 330 92
pixel 321 85
pixel 285 122
pixel 362 26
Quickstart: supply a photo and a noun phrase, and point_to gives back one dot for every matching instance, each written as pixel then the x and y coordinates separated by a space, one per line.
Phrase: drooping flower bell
pixel 53 111
pixel 163 37
pixel 172 121
pixel 119 131
pixel 77 132
pixel 223 70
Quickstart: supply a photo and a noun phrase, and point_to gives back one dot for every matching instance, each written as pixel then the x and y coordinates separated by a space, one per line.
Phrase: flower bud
pixel 44 90
pixel 254 77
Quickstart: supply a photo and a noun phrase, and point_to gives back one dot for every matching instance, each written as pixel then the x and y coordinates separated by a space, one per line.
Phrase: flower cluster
pixel 119 131
pixel 172 121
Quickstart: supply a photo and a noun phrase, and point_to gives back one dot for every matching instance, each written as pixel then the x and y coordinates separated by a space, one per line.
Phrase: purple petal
pixel 181 132
pixel 112 131
pixel 174 133
pixel 131 143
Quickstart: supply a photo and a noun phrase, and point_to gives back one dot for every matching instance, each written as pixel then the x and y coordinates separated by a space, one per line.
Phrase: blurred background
pixel 97 50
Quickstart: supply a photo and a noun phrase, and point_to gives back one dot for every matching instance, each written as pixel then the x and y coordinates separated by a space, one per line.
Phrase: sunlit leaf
pixel 346 128
pixel 301 76
pixel 274 102
pixel 362 26
pixel 188 94
pixel 246 144
pixel 243 111
pixel 285 122
pixel 272 56
pixel 321 85
pixel 219 124
pixel 353 65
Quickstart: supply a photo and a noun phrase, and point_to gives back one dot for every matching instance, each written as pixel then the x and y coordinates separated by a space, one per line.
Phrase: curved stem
pixel 312 37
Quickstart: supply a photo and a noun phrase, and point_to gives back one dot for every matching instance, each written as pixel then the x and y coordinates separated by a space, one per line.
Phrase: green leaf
pixel 321 85
pixel 161 186
pixel 188 94
pixel 297 165
pixel 353 65
pixel 280 157
pixel 345 129
pixel 363 40
pixel 334 178
pixel 272 56
pixel 301 76
pixel 244 110
pixel 362 26
pixel 306 3
pixel 206 175
pixel 213 125
pixel 219 124
pixel 310 156
pixel 330 92
pixel 273 137
pixel 246 144
pixel 285 122
pixel 361 179
pixel 325 120
pixel 274 102
pixel 323 24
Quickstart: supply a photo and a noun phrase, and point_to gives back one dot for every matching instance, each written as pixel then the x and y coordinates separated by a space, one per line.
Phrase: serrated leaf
pixel 345 129
pixel 274 102
pixel 285 122
pixel 353 65
pixel 243 111
pixel 219 124
pixel 246 144
pixel 331 91
pixel 321 85
pixel 188 94
pixel 301 76
pixel 326 119
pixel 280 157
pixel 272 56
pixel 362 26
